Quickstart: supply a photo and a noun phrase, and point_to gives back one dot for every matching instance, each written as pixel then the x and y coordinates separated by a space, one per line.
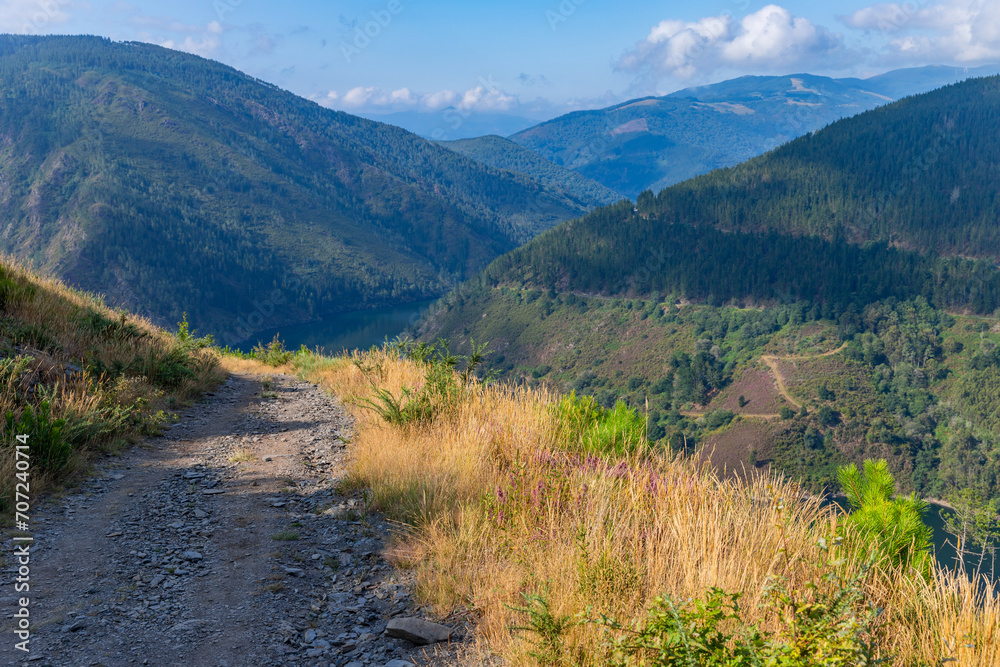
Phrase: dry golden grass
pixel 55 338
pixel 252 366
pixel 242 455
pixel 492 510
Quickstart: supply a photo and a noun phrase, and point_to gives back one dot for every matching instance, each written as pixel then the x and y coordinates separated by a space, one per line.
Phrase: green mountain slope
pixel 874 240
pixel 174 183
pixel 659 141
pixel 919 174
pixel 899 201
pixel 503 153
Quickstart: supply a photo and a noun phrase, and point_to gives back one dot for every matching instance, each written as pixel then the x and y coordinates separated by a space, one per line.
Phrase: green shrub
pixel 548 629
pixel 828 625
pixel 719 418
pixel 890 529
pixel 187 338
pixel 444 385
pixel 583 424
pixel 272 354
pixel 827 416
pixel 166 367
pixel 786 412
pixel 99 325
pixel 49 449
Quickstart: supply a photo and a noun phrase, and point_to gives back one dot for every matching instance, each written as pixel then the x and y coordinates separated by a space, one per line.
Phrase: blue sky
pixel 536 58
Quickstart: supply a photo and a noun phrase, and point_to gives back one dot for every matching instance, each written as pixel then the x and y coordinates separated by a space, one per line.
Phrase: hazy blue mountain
pixel 505 154
pixel 655 142
pixel 450 124
pixel 914 80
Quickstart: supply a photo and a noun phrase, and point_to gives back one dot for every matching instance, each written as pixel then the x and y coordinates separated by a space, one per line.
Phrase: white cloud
pixel 403 96
pixel 374 98
pixel 486 99
pixel 356 97
pixel 440 99
pixel 203 45
pixel 31 17
pixel 768 39
pixel 959 31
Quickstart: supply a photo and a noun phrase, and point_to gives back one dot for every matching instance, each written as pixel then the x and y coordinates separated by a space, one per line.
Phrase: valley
pixel 320 378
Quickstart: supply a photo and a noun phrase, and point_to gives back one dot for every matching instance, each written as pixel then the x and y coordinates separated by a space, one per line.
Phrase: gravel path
pixel 223 543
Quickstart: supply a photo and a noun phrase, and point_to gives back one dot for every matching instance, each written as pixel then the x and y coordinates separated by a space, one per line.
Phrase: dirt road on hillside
pixel 223 543
pixel 772 362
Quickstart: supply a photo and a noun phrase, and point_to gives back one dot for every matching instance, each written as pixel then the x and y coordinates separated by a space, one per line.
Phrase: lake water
pixel 943 543
pixel 347 331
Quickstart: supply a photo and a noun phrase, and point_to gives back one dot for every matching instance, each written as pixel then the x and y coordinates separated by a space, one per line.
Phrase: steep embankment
pixel 523 515
pixel 78 379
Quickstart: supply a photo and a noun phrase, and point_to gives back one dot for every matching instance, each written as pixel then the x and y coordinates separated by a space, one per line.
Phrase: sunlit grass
pixel 495 508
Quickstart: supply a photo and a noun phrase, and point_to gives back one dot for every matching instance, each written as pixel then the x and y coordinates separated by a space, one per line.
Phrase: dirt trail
pixel 772 362
pixel 224 543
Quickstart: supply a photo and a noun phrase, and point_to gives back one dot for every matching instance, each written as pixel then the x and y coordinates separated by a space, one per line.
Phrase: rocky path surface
pixel 225 543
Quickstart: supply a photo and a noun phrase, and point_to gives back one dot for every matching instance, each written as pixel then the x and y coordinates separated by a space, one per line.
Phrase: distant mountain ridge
pixel 452 124
pixel 898 202
pixel 503 153
pixel 655 142
pixel 172 183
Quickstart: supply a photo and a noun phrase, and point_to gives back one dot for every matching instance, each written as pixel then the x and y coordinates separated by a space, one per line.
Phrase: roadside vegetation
pixel 571 536
pixel 79 379
pixel 898 380
pixel 576 542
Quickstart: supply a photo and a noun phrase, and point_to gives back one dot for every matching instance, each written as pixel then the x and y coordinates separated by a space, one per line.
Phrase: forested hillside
pixel 919 174
pixel 833 300
pixel 893 202
pixel 172 183
pixel 503 153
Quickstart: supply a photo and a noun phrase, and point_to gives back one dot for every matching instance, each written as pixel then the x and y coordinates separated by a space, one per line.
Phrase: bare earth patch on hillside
pixel 730 449
pixel 758 388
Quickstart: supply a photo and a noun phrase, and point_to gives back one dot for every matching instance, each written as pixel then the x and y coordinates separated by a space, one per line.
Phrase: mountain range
pixel 654 142
pixel 172 183
pixel 452 123
pixel 831 300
